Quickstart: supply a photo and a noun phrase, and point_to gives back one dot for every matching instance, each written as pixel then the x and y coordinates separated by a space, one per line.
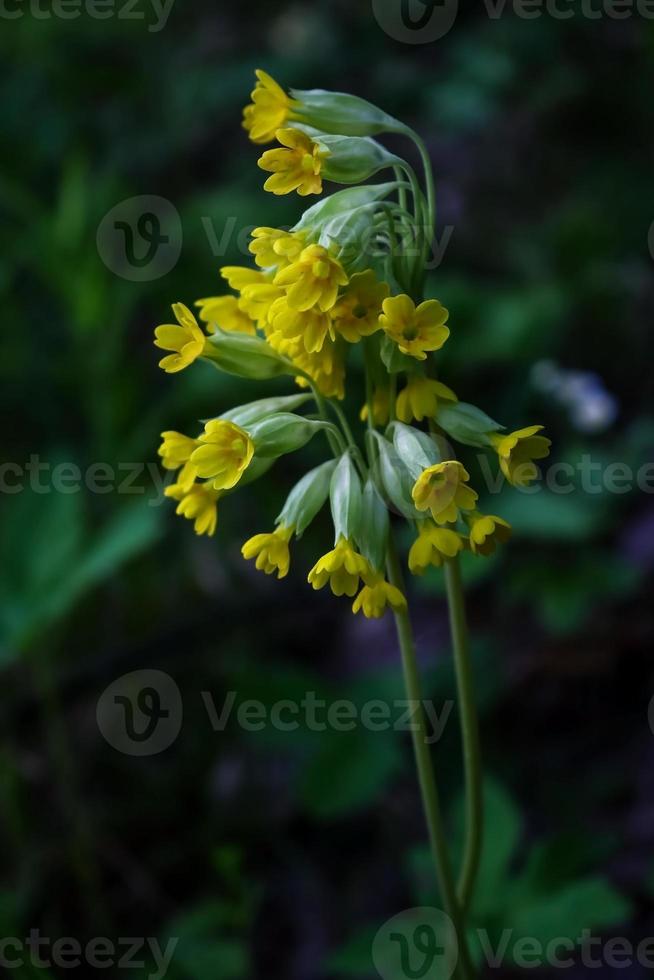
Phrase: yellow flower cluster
pixel 314 293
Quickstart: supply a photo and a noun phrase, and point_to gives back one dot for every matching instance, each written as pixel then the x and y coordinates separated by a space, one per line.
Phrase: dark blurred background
pixel 280 854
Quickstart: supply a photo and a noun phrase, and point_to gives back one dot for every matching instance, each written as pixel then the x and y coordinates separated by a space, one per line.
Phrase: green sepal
pixel 373 532
pixel 307 498
pixel 255 411
pixel 351 199
pixel 467 424
pixel 245 356
pixel 415 448
pixel 394 360
pixel 393 477
pixel 341 113
pixel 283 433
pixel 345 498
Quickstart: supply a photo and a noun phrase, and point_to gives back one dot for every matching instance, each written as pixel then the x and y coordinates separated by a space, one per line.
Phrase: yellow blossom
pixel 175 452
pixel 356 312
pixel 224 312
pixel 197 503
pixel 342 568
pixel 185 339
pixel 443 490
pixel 295 166
pixel 224 453
pixel 374 598
pixel 312 327
pixel 486 532
pixel 415 330
pixel 325 367
pixel 270 109
pixel 517 451
pixel 313 279
pixel 420 398
pixel 271 551
pixel 240 276
pixel 433 546
pixel 273 247
pixel 381 407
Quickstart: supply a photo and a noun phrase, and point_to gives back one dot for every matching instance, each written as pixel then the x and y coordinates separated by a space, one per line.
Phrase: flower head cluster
pixel 336 289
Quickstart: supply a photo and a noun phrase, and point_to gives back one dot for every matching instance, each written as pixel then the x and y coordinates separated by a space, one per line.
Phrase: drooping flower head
pixel 224 453
pixel 486 532
pixel 271 551
pixel 343 568
pixel 420 398
pixel 185 339
pixel 356 312
pixel 270 109
pixel 415 329
pixel 443 489
pixel 517 452
pixel 198 504
pixel 295 166
pixel 313 279
pixel 433 546
pixel 275 248
pixel 376 596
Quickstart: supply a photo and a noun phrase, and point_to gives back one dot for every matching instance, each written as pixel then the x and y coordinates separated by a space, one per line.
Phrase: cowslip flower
pixel 274 248
pixel 325 367
pixel 270 109
pixel 271 551
pixel 376 596
pixel 295 166
pixel 198 504
pixel 415 329
pixel 312 327
pixel 486 532
pixel 175 451
pixel 420 398
pixel 342 567
pixel 224 312
pixel 185 339
pixel 313 279
pixel 224 453
pixel 443 489
pixel 433 546
pixel 518 450
pixel 356 312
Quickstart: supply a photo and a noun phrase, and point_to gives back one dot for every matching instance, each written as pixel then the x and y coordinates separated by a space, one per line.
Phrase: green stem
pixel 469 734
pixel 426 777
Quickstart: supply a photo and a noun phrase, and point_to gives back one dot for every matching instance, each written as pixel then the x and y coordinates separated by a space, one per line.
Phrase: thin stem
pixel 469 734
pixel 426 777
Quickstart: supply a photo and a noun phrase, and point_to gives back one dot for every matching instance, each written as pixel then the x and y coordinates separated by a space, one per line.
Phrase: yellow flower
pixel 294 167
pixel 270 108
pixel 419 400
pixel 356 313
pixel 271 551
pixel 517 451
pixel 240 276
pixel 415 330
pixel 433 546
pixel 376 596
pixel 325 367
pixel 486 532
pixel 273 247
pixel 225 453
pixel 175 452
pixel 198 504
pixel 311 326
pixel 342 568
pixel 257 301
pixel 381 407
pixel 224 312
pixel 443 490
pixel 313 279
pixel 184 338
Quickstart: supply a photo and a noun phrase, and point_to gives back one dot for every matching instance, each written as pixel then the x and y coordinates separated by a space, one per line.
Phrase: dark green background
pixel 281 855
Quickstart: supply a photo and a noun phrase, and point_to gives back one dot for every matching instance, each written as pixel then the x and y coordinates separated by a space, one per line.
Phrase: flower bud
pixel 306 498
pixel 347 115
